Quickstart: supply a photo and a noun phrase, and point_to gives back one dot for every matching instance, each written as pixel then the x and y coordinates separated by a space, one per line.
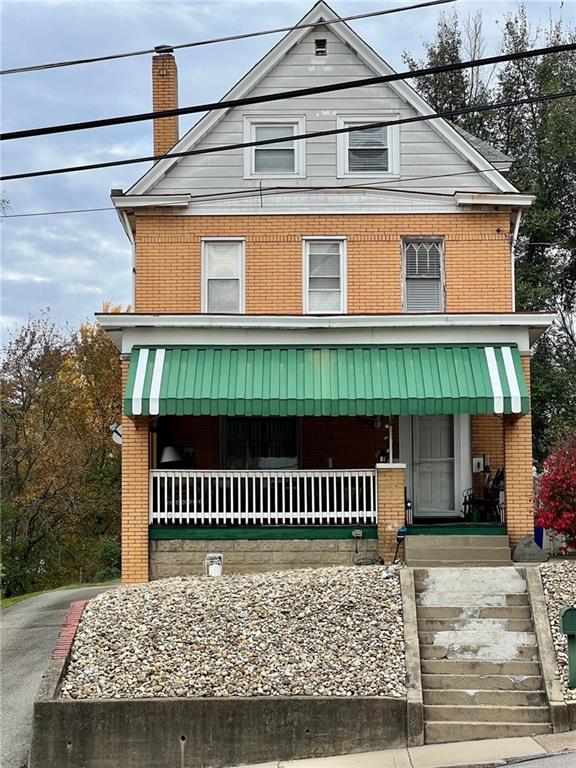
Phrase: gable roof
pixel 322 12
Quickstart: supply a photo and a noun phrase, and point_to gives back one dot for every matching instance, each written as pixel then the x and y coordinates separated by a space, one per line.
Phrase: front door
pixel 433 466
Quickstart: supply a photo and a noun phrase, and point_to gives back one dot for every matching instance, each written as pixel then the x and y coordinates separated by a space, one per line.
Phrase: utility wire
pixel 228 38
pixel 242 193
pixel 279 96
pixel 298 137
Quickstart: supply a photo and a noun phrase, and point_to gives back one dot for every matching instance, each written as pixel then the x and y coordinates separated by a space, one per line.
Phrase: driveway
pixel 28 632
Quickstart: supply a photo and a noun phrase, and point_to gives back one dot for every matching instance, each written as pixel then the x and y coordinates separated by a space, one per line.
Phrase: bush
pixel 556 503
pixel 108 559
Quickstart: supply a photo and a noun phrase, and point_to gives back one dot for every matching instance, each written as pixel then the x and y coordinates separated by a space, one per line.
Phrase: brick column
pixel 518 471
pixel 390 479
pixel 135 464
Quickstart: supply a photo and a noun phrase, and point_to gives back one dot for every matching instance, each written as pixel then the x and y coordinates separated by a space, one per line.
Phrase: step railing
pixel 316 497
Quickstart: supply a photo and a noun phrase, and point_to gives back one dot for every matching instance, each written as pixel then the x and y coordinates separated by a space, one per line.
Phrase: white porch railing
pixel 331 497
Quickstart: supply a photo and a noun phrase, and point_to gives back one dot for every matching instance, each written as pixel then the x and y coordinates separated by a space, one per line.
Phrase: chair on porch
pixel 490 508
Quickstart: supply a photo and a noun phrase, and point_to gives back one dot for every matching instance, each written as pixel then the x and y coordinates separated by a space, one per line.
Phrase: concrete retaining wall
pixel 165 733
pixel 185 557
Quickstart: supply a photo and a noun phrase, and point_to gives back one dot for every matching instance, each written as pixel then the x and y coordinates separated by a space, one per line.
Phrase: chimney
pixel 164 96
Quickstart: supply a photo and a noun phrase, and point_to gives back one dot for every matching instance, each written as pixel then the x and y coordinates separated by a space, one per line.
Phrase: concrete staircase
pixel 454 550
pixel 481 675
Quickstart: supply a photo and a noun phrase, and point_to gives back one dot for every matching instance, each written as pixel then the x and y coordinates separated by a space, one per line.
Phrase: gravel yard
pixel 314 632
pixel 559 578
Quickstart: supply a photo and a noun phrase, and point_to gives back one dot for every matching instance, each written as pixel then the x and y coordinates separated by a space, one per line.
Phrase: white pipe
pixel 512 256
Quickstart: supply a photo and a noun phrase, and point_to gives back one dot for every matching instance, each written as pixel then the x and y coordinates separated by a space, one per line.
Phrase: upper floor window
pixel 368 152
pixel 283 159
pixel 223 276
pixel 324 280
pixel 424 278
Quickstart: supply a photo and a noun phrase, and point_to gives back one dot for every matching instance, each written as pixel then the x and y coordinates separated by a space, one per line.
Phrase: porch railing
pixel 330 497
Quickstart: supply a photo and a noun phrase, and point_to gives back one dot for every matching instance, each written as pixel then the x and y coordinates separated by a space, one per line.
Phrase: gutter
pixel 513 256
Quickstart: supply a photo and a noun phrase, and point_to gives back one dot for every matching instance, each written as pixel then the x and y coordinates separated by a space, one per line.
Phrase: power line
pixel 228 38
pixel 279 96
pixel 298 137
pixel 241 193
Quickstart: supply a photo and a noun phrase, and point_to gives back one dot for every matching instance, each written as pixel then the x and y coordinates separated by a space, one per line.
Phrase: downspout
pixel 512 256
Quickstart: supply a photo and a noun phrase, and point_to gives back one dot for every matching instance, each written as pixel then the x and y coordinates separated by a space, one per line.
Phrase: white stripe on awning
pixel 139 382
pixel 515 398
pixel 495 380
pixel 156 381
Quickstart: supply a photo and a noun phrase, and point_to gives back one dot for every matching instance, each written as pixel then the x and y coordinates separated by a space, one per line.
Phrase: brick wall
pixel 487 434
pixel 168 259
pixel 135 441
pixel 391 509
pixel 518 467
pixel 164 96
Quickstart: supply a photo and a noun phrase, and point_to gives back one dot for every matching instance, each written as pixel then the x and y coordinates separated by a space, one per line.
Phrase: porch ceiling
pixel 325 381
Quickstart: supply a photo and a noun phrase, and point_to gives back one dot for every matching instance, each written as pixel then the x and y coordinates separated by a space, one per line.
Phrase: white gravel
pixel 559 578
pixel 313 632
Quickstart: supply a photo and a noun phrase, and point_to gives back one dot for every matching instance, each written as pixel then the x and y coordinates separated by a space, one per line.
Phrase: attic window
pixel 320 46
pixel 370 151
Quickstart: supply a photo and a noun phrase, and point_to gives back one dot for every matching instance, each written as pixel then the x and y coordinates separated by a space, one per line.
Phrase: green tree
pixel 541 138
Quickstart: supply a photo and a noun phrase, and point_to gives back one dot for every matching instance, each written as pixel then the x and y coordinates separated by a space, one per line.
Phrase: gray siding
pixel 423 152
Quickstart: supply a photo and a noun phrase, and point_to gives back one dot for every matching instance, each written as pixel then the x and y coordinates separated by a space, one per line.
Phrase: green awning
pixel 325 381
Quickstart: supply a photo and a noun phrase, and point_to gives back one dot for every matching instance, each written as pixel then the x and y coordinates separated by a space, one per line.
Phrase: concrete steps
pixel 453 550
pixel 444 732
pixel 479 656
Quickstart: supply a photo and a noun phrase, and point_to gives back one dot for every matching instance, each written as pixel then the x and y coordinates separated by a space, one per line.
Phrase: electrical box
pixel 478 464
pixel 357 533
pixel 568 621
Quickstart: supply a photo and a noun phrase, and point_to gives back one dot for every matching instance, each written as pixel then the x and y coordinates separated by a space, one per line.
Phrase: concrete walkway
pixel 29 630
pixel 555 751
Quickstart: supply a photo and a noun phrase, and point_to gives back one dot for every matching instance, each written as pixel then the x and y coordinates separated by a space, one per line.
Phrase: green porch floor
pixel 458 529
pixel 158 532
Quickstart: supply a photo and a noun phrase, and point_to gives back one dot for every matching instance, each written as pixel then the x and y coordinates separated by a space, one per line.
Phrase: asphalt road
pixel 567 760
pixel 28 632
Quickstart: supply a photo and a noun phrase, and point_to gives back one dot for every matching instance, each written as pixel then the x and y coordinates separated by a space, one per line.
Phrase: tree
pixel 541 138
pixel 60 469
pixel 556 503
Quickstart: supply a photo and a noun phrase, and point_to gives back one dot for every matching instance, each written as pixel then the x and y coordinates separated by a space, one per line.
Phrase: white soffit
pixel 321 11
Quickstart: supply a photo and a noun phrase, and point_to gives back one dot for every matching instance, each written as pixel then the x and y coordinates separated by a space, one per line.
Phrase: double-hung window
pixel 324 280
pixel 423 270
pixel 223 276
pixel 284 158
pixel 370 151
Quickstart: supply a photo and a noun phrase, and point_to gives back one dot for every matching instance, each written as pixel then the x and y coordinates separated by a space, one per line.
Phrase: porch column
pixel 135 467
pixel 518 471
pixel 390 479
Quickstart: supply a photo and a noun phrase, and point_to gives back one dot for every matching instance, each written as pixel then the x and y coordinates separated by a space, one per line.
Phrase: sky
pixel 73 263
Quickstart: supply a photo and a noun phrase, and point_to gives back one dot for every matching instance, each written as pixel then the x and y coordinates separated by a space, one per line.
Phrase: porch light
pixel 170 455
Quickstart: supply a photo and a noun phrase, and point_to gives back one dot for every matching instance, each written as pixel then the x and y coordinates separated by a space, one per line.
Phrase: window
pixel 423 273
pixel 223 268
pixel 281 160
pixel 320 47
pixel 324 276
pixel 257 443
pixel 368 152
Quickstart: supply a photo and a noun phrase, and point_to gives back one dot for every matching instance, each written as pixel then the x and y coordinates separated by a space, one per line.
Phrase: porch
pixel 283 480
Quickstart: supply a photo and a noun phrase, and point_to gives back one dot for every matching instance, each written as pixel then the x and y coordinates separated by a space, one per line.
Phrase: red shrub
pixel 556 505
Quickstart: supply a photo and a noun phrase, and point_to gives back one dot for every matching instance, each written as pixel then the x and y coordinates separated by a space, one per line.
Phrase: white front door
pixel 433 466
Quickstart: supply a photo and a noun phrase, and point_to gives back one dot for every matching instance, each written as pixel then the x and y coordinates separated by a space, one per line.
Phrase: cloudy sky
pixel 72 263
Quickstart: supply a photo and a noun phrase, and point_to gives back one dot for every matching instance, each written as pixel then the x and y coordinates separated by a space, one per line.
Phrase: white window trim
pixel 424 239
pixel 242 277
pixel 343 273
pixel 393 171
pixel 250 121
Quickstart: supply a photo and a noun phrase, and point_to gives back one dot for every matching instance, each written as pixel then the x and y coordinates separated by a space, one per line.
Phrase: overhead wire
pixel 297 137
pixel 241 193
pixel 225 39
pixel 283 95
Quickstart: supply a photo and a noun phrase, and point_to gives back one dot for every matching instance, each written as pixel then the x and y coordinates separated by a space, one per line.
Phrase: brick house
pixel 323 329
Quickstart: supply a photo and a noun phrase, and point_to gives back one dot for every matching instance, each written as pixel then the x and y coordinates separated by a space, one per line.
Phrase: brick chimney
pixel 164 96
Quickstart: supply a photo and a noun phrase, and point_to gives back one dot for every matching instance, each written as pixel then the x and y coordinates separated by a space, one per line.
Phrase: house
pixel 324 345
